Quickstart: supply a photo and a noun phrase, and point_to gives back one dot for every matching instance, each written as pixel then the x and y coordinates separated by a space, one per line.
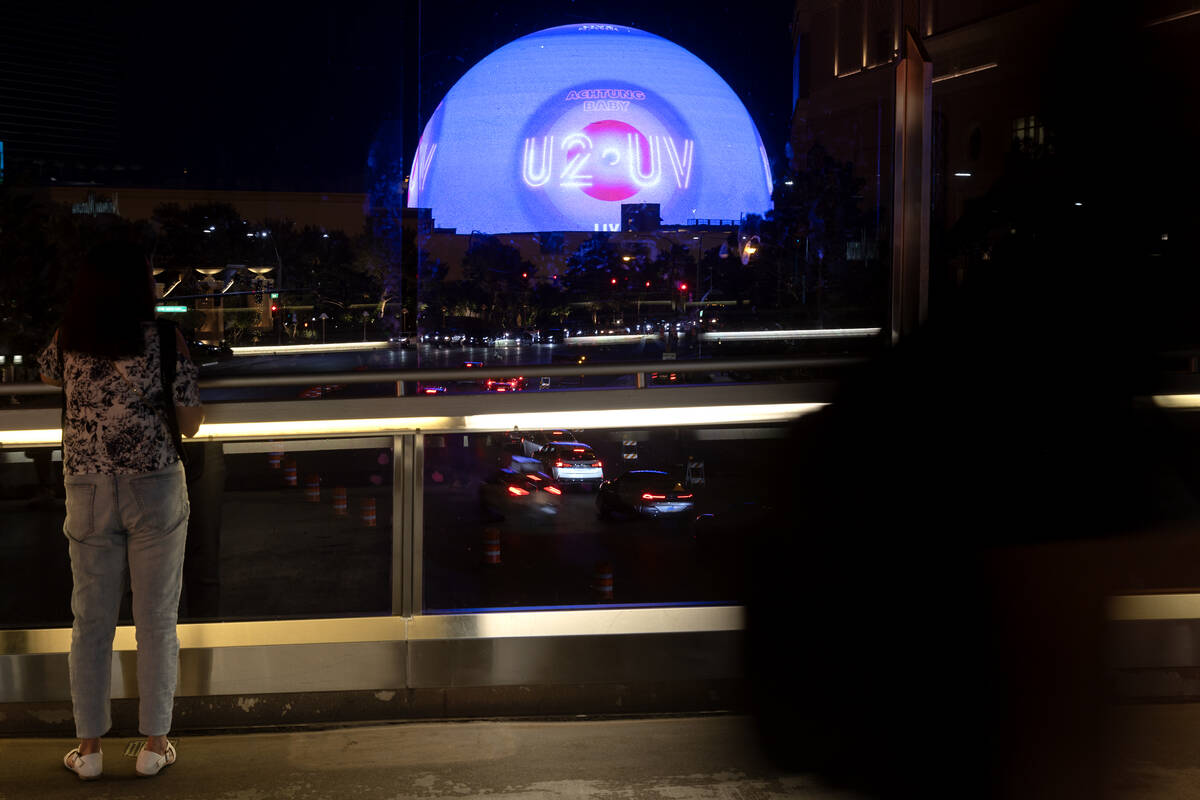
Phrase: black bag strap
pixel 62 385
pixel 166 359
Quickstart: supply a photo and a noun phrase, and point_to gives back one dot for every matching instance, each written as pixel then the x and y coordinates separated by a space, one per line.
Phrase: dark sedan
pixel 644 493
pixel 203 352
pixel 520 496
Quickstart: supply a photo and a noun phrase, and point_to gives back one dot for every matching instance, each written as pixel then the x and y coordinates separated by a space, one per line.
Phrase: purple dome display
pixel 556 130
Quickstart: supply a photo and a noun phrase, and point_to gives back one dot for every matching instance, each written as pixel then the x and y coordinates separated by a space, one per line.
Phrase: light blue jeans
pixel 117 523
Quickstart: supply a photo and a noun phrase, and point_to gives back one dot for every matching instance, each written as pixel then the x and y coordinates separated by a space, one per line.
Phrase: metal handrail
pixel 473 373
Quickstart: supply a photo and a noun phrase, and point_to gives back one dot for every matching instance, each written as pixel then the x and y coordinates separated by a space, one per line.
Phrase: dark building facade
pixel 998 88
pixel 59 93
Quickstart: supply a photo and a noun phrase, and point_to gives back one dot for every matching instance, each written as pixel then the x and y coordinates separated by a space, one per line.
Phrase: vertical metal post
pixel 400 513
pixel 407 523
pixel 416 549
pixel 912 158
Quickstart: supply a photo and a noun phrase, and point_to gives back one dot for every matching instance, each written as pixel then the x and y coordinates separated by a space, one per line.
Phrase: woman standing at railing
pixel 127 505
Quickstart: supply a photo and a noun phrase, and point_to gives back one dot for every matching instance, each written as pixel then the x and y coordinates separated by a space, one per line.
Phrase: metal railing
pixel 436 653
pixel 639 369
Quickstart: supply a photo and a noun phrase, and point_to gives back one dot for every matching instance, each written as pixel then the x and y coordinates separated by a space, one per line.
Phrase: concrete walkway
pixel 677 758
pixel 1155 755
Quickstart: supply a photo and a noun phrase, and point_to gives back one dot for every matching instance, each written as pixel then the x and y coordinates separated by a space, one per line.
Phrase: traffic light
pixel 274 308
pixel 679 301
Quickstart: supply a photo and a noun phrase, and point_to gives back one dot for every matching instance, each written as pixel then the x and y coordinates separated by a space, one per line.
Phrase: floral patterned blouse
pixel 110 430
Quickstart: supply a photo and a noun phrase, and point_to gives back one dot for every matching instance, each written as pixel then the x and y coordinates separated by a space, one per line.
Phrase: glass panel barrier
pixel 35 571
pixel 301 529
pixel 554 517
pixel 304 528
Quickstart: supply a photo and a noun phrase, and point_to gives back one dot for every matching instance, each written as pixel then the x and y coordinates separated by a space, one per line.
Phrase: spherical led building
pixel 556 130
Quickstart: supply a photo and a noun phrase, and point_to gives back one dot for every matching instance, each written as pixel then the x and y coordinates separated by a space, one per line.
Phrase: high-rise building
pixel 59 92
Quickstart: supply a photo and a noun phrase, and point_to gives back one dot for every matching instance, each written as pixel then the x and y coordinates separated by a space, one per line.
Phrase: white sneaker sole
pixel 157 763
pixel 79 759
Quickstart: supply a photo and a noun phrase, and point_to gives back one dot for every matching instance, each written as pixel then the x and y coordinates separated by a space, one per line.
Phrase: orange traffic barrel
pixel 367 512
pixel 289 471
pixel 491 546
pixel 339 501
pixel 275 457
pixel 602 581
pixel 312 488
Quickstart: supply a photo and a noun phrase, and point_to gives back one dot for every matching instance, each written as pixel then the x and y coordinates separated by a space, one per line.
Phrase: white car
pixel 572 463
pixel 534 441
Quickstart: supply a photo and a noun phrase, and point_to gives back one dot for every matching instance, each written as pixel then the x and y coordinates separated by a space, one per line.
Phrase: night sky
pixel 266 96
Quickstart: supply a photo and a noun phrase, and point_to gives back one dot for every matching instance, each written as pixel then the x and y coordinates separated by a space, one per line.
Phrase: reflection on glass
pixel 633 211
pixel 275 531
pixel 35 570
pixel 302 528
pixel 662 516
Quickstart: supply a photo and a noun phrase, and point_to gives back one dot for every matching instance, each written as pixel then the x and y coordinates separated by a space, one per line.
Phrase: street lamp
pixel 750 248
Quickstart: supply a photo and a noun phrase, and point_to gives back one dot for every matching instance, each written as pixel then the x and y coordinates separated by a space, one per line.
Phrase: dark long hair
pixel 113 295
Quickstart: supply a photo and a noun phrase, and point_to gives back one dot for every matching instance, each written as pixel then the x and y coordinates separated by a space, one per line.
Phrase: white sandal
pixel 150 763
pixel 88 767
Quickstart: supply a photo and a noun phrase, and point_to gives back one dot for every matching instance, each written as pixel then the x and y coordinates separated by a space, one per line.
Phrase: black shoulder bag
pixel 191 456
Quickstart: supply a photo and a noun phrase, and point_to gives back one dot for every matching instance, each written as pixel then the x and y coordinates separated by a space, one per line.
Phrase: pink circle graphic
pixel 609 159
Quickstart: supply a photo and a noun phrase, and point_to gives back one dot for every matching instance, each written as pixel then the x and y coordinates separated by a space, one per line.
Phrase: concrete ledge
pixel 272 711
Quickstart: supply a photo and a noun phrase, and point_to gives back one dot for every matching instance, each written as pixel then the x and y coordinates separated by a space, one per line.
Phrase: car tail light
pixel 558 464
pixel 597 463
pixel 517 491
pixel 553 490
pixel 431 391
pixel 578 450
pixel 648 496
pixel 682 496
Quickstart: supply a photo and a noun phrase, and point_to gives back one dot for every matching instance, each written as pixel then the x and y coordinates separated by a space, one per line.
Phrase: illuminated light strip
pixel 603 418
pixel 534 180
pixel 647 417
pixel 611 338
pixel 1148 607
pixel 963 72
pixel 681 166
pixel 424 161
pixel 762 152
pixel 318 427
pixel 283 350
pixel 827 333
pixel 1174 17
pixel 654 153
pixel 1177 400
pixel 43 436
pixel 570 176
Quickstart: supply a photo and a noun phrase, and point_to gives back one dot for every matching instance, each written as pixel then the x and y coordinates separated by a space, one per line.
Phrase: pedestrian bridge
pixel 337 568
